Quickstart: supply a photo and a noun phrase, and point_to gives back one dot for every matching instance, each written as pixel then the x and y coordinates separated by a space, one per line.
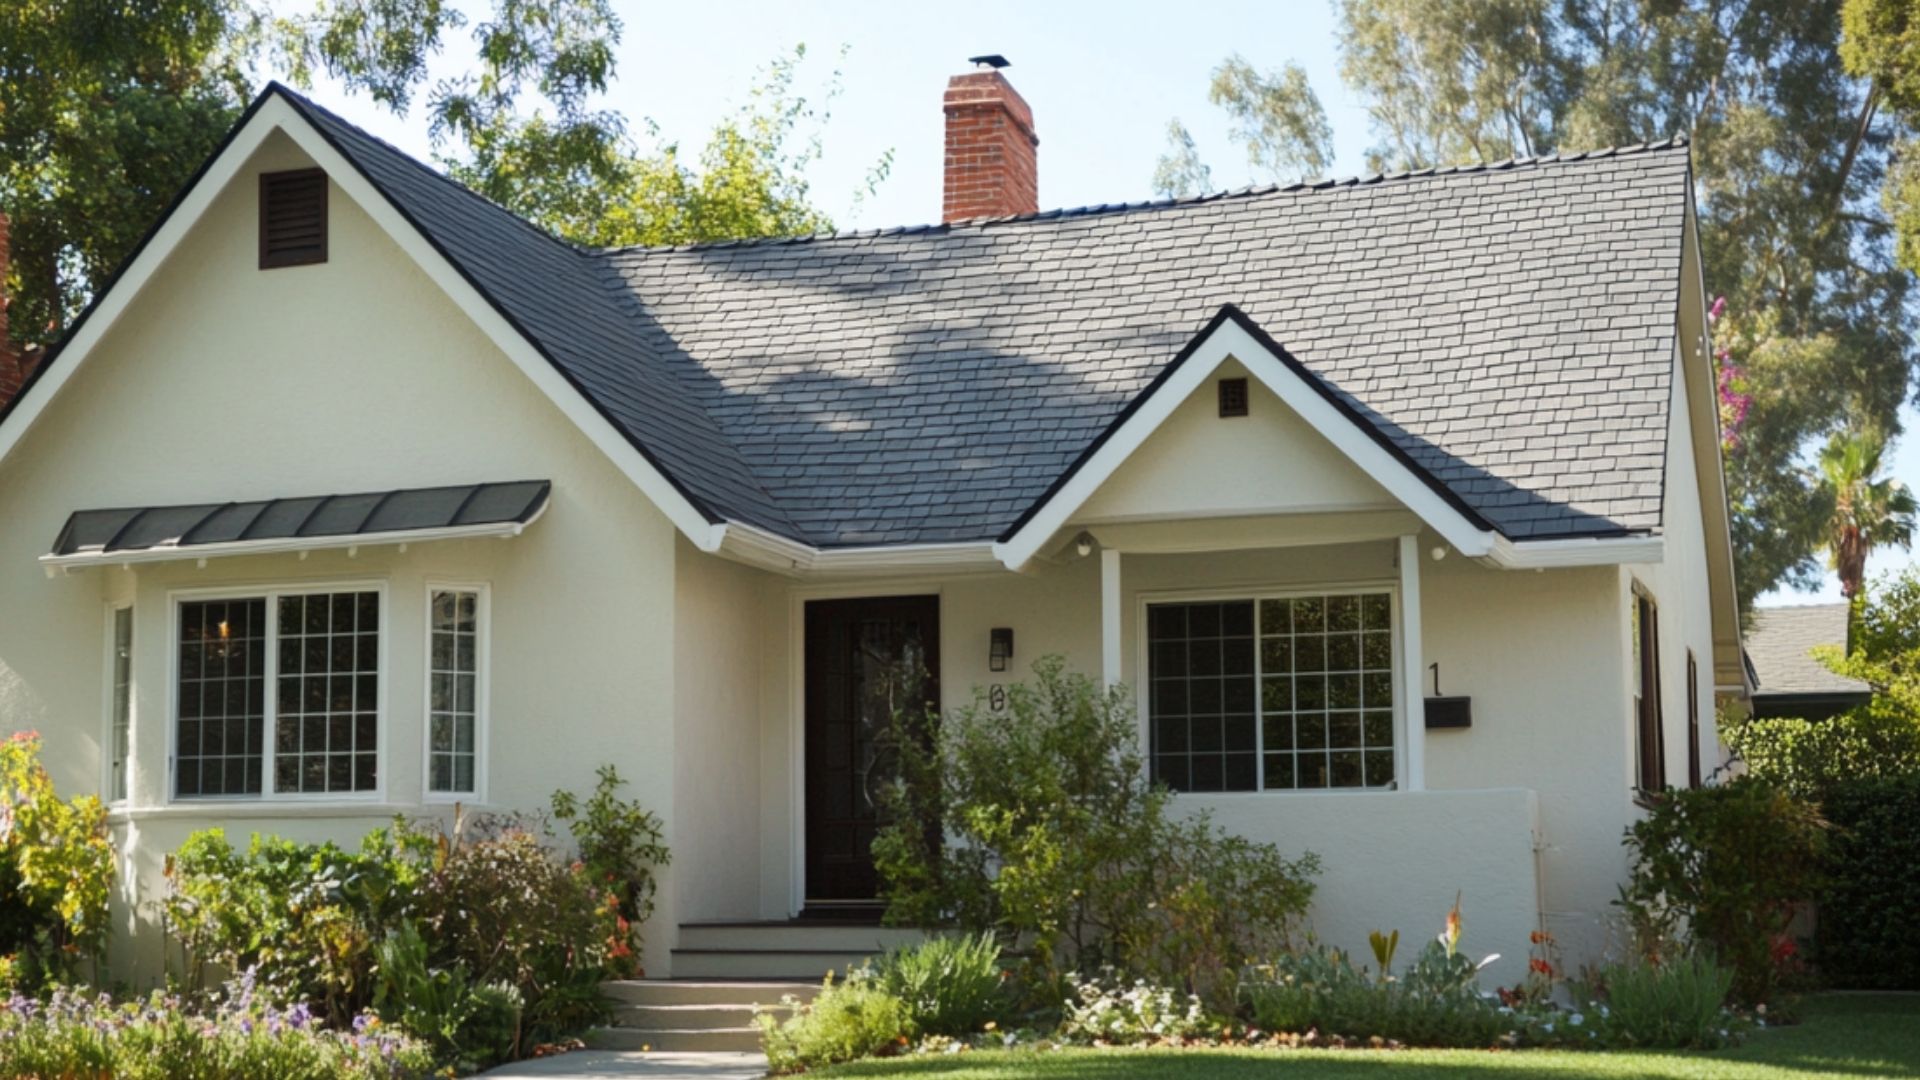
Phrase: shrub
pixel 1108 1009
pixel 56 868
pixel 469 1026
pixel 949 985
pixel 160 1039
pixel 305 917
pixel 1724 867
pixel 1811 758
pixel 1037 822
pixel 1679 1003
pixel 622 847
pixel 846 1022
pixel 1866 934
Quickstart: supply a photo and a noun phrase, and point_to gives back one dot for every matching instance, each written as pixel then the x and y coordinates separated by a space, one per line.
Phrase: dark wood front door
pixel 866 659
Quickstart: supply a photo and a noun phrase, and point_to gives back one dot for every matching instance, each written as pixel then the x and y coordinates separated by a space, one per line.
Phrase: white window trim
pixel 271 594
pixel 482 690
pixel 1144 698
pixel 113 609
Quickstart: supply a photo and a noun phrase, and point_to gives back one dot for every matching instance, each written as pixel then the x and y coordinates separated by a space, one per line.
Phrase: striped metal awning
pixel 306 523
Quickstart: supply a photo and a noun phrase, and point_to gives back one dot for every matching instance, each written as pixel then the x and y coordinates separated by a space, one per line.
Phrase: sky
pixel 1103 79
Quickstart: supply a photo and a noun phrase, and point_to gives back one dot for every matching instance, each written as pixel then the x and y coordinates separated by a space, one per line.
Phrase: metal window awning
pixel 146 534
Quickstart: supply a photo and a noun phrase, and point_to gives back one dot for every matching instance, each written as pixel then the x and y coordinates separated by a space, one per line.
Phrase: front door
pixel 866 659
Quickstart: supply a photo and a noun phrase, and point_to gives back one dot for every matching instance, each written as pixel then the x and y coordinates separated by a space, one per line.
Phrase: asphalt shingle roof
pixel 1780 646
pixel 1511 327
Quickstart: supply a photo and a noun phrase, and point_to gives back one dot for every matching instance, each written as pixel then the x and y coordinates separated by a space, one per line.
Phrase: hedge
pixel 1867 937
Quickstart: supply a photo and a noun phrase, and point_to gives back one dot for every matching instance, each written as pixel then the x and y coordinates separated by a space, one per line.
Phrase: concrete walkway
pixel 649 1065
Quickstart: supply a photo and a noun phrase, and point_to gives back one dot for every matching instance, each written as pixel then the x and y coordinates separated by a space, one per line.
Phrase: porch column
pixel 1109 617
pixel 1414 669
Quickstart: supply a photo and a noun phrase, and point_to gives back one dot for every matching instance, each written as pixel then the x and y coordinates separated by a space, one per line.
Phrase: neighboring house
pixel 1788 679
pixel 354 495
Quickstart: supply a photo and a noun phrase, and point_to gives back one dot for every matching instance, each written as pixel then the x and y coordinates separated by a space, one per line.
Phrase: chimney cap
pixel 990 60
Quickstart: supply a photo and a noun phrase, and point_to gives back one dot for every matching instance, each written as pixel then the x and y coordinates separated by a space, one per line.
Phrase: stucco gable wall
pixel 1199 464
pixel 222 381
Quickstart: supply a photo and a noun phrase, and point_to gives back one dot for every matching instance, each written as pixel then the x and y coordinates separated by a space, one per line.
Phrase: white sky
pixel 1103 79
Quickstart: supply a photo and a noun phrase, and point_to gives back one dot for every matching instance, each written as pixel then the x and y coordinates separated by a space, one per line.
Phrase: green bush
pixel 1679 1003
pixel 469 1026
pixel 1866 936
pixel 1811 758
pixel 1725 867
pixel 56 868
pixel 622 847
pixel 1436 1002
pixel 161 1039
pixel 846 1022
pixel 949 985
pixel 1037 822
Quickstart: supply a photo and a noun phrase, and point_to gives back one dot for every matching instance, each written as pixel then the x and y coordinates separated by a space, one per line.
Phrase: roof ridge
pixel 301 101
pixel 1672 142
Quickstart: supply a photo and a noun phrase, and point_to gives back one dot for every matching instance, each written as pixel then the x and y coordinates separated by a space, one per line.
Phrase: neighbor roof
pixel 1780 646
pixel 1511 328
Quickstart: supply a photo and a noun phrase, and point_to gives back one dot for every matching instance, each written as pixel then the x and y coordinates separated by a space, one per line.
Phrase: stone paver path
pixel 637 1065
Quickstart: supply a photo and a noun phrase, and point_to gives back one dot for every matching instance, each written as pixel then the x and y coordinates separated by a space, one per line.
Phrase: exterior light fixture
pixel 999 648
pixel 1083 544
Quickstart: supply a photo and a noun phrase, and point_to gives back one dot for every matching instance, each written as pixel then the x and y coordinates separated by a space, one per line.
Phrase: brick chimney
pixel 992 164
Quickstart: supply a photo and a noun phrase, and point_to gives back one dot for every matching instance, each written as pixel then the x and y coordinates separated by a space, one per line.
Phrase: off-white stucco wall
pixel 222 382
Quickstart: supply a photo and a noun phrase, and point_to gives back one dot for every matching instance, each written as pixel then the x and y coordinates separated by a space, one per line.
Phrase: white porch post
pixel 1414 669
pixel 1110 617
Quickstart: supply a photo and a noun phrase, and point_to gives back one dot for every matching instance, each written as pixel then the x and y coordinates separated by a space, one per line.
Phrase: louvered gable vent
pixel 293 218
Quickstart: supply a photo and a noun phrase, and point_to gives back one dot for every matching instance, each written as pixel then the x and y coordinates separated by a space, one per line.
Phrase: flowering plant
pixel 1106 1009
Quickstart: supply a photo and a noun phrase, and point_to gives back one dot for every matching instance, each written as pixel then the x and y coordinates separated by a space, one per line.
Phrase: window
pixel 1651 766
pixel 320 653
pixel 1273 693
pixel 1693 721
pixel 293 218
pixel 455 696
pixel 120 704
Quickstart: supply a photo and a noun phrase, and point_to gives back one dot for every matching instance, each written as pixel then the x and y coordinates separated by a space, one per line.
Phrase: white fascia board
pixel 278 546
pixel 1557 554
pixel 758 547
pixel 1229 340
pixel 276 113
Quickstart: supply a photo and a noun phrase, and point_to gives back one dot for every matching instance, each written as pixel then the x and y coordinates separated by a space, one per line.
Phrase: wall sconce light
pixel 1083 544
pixel 999 648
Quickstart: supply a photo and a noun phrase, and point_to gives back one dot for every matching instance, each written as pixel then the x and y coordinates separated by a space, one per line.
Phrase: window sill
pixel 216 810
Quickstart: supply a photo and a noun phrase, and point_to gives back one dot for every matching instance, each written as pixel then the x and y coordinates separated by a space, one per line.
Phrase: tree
pixel 107 108
pixel 1793 157
pixel 1867 513
pixel 1276 117
pixel 1180 171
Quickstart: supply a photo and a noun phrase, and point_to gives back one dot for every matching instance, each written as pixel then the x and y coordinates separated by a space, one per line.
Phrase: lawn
pixel 1843 1035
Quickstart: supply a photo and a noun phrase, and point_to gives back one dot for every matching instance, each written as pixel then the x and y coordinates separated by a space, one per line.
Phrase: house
pixel 1788 679
pixel 1397 501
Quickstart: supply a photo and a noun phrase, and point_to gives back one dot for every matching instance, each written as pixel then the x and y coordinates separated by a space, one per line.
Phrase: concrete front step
pixel 676 1040
pixel 690 1017
pixel 739 993
pixel 808 964
pixel 811 935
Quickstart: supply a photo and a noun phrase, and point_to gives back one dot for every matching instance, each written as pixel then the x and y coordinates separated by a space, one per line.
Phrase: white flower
pixel 1576 1019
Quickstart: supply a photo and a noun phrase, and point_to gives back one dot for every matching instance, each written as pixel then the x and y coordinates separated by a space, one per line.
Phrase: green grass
pixel 1842 1036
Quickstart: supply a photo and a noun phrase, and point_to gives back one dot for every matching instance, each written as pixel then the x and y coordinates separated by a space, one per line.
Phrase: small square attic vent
pixel 1233 397
pixel 293 218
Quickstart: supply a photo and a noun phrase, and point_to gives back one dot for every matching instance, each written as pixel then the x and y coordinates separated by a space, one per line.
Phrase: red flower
pixel 1541 966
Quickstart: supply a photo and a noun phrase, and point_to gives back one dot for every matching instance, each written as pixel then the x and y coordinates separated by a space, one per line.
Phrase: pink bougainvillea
pixel 1731 385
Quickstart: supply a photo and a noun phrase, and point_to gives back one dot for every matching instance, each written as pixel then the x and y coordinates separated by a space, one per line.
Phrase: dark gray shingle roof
pixel 1780 646
pixel 1511 328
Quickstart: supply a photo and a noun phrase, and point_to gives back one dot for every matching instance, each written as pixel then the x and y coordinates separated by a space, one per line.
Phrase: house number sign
pixel 997 698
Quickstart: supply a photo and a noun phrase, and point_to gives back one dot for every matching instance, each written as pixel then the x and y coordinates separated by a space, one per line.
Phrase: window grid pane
pixel 221 707
pixel 1203 684
pixel 122 698
pixel 328 693
pixel 452 691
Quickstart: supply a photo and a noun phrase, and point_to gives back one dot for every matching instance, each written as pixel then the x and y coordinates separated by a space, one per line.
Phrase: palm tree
pixel 1867 513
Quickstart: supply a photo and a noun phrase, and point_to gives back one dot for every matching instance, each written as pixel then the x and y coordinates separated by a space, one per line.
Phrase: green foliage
pixel 950 985
pixel 1037 823
pixel 1724 867
pixel 469 1026
pixel 56 868
pixel 305 917
pixel 622 848
pixel 846 1022
pixel 1108 1009
pixel 1435 1002
pixel 160 1038
pixel 1882 44
pixel 1679 1003
pixel 1180 171
pixel 1866 932
pixel 1809 758
pixel 1869 511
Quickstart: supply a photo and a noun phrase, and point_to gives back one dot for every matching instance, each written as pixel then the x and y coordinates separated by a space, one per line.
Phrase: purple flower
pixel 300 1016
